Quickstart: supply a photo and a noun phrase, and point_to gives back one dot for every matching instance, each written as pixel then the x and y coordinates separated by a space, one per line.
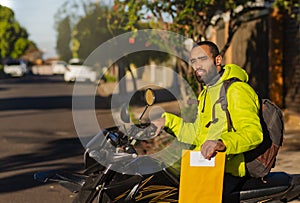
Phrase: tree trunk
pixel 275 58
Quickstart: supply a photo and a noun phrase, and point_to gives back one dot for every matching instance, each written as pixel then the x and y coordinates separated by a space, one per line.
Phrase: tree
pixel 63 41
pixel 81 27
pixel 92 30
pixel 194 18
pixel 191 18
pixel 79 35
pixel 13 38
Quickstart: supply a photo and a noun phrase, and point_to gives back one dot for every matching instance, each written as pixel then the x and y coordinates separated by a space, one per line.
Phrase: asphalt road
pixel 37 134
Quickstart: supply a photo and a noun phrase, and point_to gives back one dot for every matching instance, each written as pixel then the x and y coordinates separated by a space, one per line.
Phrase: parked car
pixel 77 71
pixel 15 68
pixel 59 67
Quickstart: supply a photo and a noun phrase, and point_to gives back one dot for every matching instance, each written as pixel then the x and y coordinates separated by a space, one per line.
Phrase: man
pixel 209 132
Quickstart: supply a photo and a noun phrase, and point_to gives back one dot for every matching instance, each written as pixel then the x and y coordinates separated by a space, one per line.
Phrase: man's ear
pixel 218 60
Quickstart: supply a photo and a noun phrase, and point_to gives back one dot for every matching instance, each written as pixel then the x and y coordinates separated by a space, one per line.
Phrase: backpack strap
pixel 224 104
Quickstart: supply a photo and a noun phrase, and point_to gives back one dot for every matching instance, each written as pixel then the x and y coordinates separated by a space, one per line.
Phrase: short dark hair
pixel 212 47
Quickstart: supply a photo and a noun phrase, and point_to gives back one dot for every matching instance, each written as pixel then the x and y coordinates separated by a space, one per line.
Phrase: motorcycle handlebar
pixel 145 131
pixel 117 157
pixel 105 155
pixel 104 145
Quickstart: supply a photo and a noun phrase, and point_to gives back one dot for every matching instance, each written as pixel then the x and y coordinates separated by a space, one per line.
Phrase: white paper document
pixel 196 159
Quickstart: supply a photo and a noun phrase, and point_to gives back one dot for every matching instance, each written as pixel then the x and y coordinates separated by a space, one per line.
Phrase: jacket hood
pixel 234 71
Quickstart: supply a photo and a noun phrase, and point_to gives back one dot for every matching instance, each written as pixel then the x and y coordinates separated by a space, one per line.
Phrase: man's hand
pixel 211 147
pixel 160 124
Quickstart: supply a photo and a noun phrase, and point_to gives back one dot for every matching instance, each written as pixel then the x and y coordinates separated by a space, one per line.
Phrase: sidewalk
pixel 291 140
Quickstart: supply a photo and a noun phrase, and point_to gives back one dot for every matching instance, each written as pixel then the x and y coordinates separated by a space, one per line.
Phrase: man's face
pixel 203 64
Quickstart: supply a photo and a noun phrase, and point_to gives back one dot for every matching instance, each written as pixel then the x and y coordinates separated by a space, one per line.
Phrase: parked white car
pixel 15 68
pixel 59 67
pixel 77 71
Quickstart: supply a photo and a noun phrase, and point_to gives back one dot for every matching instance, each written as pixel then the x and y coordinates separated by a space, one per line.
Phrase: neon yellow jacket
pixel 243 105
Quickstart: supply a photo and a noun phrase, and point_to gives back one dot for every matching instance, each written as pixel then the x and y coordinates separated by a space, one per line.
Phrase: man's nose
pixel 196 65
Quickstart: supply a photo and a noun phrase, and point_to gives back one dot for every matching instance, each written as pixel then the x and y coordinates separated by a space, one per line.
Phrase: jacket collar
pixel 216 78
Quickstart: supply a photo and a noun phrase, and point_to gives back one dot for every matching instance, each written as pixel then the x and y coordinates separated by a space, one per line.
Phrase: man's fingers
pixel 160 124
pixel 210 153
pixel 208 149
pixel 158 131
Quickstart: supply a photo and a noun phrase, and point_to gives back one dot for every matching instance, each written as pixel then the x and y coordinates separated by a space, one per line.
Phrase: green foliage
pixel 194 18
pixel 20 45
pixel 109 78
pixel 126 20
pixel 13 38
pixel 80 33
pixel 82 36
pixel 63 29
pixel 189 18
pixel 92 30
pixel 291 7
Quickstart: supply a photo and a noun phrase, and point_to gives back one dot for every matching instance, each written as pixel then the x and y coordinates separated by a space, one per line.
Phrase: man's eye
pixel 193 61
pixel 203 58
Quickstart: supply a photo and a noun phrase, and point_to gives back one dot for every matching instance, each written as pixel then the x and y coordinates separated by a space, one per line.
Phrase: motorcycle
pixel 114 170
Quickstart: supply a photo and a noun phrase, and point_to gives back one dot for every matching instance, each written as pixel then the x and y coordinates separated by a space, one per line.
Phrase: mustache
pixel 200 70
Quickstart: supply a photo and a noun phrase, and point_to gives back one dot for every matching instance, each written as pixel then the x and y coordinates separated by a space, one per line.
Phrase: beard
pixel 199 78
pixel 206 76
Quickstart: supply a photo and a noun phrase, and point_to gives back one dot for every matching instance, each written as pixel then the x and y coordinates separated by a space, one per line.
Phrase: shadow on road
pixel 52 154
pixel 67 101
pixel 49 102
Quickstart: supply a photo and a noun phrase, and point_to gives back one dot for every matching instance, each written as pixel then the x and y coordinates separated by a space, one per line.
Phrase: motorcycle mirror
pixel 149 97
pixel 125 114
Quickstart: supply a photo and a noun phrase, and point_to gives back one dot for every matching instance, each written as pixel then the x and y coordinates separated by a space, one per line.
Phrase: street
pixel 38 133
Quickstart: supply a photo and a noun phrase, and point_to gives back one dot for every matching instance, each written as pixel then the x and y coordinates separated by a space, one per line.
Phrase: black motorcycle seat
pixel 273 179
pixel 274 183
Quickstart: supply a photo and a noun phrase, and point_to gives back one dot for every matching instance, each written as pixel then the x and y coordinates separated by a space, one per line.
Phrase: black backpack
pixel 260 160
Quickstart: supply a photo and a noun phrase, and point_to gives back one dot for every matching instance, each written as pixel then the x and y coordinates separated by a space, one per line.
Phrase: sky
pixel 37 17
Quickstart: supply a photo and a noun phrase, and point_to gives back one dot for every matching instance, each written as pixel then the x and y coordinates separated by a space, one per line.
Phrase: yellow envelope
pixel 201 181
